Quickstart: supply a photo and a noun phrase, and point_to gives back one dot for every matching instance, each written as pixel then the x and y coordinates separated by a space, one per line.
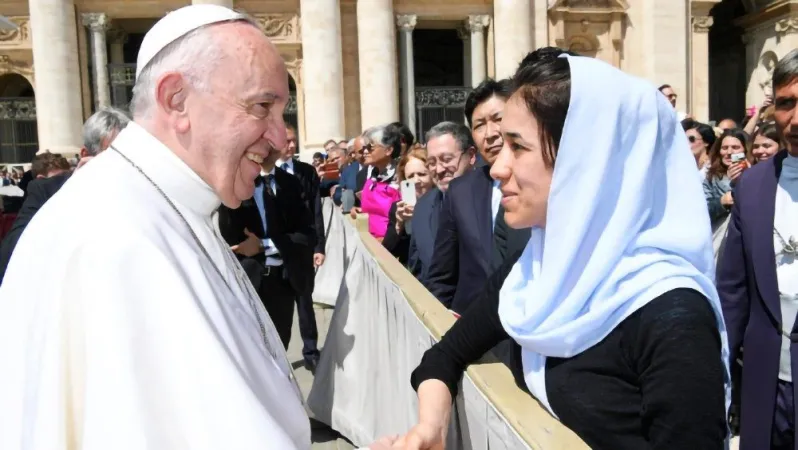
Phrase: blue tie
pixel 284 166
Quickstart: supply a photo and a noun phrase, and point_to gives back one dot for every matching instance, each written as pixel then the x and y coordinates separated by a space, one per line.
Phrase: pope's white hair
pixel 194 55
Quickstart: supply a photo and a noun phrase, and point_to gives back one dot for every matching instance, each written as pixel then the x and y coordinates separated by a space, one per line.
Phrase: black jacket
pixel 38 192
pixel 290 227
pixel 310 182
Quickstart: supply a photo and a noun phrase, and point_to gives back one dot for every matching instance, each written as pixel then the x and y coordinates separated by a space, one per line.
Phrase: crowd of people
pixel 578 242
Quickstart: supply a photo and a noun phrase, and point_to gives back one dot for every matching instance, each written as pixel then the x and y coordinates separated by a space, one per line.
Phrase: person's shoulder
pixel 464 181
pixel 428 199
pixel 303 166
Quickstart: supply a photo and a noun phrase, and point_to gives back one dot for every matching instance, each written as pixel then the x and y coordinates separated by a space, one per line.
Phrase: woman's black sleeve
pixel 476 332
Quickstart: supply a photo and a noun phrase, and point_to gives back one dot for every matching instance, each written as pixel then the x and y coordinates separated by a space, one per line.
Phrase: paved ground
pixel 323 437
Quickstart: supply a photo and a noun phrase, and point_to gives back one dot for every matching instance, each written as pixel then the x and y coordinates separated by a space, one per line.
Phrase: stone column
pixel 55 58
pixel 99 24
pixel 699 66
pixel 476 26
pixel 322 72
pixel 512 34
pixel 406 24
pixel 227 3
pixel 117 38
pixel 379 90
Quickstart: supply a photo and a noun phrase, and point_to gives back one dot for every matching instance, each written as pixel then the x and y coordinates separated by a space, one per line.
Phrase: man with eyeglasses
pixel 463 251
pixel 450 153
pixel 670 94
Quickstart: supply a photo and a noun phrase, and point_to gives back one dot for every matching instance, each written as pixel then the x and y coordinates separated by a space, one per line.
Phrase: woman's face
pixel 729 146
pixel 524 177
pixel 697 144
pixel 417 172
pixel 764 148
pixel 375 154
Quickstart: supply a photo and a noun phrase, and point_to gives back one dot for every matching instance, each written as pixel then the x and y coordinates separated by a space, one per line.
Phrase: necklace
pixel 237 268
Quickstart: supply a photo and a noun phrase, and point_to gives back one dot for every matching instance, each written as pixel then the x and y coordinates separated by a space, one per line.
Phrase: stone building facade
pixel 357 63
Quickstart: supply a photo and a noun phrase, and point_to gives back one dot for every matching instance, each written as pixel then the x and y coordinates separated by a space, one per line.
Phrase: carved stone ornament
pixel 441 96
pixel 18 109
pixel 19 37
pixel 294 68
pixel 702 24
pixel 787 26
pixel 279 27
pixel 96 21
pixel 8 65
pixel 117 36
pixel 406 22
pixel 586 3
pixel 600 5
pixel 478 23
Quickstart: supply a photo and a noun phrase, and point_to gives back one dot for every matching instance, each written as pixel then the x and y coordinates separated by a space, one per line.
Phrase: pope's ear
pixel 170 93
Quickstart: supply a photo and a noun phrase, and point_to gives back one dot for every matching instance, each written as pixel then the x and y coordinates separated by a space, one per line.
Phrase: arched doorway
pixel 439 68
pixel 19 139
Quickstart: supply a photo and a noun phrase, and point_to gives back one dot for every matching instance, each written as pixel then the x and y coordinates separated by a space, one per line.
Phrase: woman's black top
pixel 655 382
pixel 396 243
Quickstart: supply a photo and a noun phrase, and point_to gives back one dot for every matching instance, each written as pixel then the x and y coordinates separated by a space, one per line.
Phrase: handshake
pixel 422 437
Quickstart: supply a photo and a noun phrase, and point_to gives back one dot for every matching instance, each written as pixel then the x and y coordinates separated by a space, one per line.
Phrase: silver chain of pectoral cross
pixel 237 269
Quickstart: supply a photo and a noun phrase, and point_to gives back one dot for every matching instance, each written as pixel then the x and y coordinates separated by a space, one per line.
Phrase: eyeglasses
pixel 692 139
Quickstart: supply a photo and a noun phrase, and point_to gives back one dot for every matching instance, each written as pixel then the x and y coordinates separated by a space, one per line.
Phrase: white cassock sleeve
pixel 129 348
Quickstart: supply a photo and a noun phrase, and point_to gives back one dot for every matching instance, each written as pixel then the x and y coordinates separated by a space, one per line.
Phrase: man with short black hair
pixel 464 239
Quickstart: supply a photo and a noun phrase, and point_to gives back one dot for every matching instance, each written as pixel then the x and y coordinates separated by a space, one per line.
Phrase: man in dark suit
pixel 757 283
pixel 464 242
pixel 39 191
pixel 310 183
pixel 272 234
pixel 450 153
pixel 49 173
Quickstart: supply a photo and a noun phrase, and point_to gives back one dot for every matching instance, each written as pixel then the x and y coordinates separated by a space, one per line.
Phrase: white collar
pixel 264 173
pixel 172 175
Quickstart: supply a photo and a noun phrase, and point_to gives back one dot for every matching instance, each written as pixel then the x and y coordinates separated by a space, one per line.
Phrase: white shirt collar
pixel 172 175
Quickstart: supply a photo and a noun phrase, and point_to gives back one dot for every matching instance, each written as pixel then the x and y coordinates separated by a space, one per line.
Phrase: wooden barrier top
pixel 539 429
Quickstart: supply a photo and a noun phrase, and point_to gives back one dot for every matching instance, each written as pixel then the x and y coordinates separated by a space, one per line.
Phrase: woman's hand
pixel 354 212
pixel 727 200
pixel 735 170
pixel 424 436
pixel 404 213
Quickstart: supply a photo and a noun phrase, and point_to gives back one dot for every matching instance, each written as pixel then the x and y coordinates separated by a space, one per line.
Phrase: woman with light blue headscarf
pixel 611 305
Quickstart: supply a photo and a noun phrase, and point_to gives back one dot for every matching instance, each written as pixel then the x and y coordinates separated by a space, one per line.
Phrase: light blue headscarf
pixel 626 223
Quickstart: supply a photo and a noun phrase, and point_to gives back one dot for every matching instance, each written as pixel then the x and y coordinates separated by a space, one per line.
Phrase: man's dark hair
pixel 786 70
pixel 543 53
pixel 318 155
pixel 663 87
pixel 407 135
pixel 482 93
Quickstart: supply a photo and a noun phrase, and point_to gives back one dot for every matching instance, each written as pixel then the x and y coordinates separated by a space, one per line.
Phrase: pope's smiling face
pixel 237 120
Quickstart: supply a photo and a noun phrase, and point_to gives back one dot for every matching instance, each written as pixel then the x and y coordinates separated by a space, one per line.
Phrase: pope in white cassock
pixel 125 320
